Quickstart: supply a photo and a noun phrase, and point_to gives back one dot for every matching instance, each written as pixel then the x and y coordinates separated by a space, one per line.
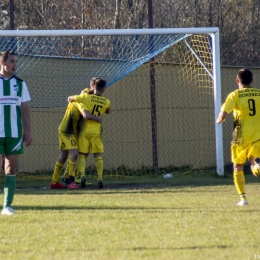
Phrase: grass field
pixel 186 217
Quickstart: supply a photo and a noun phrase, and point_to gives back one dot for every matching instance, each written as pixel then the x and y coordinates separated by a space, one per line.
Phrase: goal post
pixel 217 102
pixel 58 63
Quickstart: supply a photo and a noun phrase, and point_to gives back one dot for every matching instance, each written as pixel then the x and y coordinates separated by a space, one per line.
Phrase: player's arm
pixel 227 107
pixel 222 117
pixel 108 111
pixel 89 116
pixel 26 120
pixel 78 98
pixel 87 90
pixel 71 99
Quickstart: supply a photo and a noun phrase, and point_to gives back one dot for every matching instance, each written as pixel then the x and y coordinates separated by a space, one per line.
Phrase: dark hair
pixel 245 76
pixel 100 83
pixel 4 55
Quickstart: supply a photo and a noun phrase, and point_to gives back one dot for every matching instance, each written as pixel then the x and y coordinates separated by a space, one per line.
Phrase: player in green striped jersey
pixel 245 104
pixel 15 123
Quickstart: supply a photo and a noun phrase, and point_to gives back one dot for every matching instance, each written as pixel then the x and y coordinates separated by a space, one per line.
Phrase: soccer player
pixel 71 125
pixel 91 136
pixel 245 104
pixel 65 178
pixel 15 125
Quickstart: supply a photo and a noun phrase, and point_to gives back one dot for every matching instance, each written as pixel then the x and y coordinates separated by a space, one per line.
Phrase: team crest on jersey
pixel 16 87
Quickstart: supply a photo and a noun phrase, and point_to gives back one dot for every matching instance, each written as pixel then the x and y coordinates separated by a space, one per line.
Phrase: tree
pixel 238 20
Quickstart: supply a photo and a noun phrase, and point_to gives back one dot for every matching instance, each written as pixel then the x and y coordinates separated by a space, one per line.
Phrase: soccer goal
pixel 163 84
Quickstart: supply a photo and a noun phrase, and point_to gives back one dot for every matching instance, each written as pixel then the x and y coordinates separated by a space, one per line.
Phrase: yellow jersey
pixel 245 104
pixel 73 120
pixel 95 105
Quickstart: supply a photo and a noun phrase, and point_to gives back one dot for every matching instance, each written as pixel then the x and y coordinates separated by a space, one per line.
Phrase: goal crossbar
pixel 203 30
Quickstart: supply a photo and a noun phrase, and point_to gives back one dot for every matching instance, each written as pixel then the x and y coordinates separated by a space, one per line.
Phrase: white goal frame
pixel 212 31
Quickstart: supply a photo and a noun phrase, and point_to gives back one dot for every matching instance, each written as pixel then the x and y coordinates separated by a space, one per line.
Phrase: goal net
pixel 163 84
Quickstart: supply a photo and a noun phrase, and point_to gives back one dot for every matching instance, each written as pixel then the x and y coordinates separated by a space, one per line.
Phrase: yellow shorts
pixel 67 142
pixel 90 141
pixel 240 153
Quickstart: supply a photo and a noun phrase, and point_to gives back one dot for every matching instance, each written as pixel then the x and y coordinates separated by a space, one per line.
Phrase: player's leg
pixel 11 162
pixel 66 172
pixel 77 173
pixel 99 167
pixel 66 143
pixel 65 177
pixel 98 149
pixel 239 158
pixel 12 148
pixel 239 180
pixel 84 148
pixel 71 168
pixel 81 168
pixel 57 170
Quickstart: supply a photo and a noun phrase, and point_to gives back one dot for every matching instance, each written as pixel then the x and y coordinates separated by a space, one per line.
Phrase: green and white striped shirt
pixel 13 92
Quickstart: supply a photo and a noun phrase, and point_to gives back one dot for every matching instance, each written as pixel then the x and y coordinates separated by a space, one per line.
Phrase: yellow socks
pixel 99 166
pixel 81 165
pixel 57 172
pixel 239 180
pixel 71 168
pixel 66 173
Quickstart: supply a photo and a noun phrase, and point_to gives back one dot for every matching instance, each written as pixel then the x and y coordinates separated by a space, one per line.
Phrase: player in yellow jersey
pixel 65 177
pixel 245 104
pixel 71 125
pixel 91 136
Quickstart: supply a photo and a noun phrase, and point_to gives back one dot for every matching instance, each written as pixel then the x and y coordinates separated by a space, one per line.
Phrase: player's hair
pixel 100 83
pixel 4 55
pixel 93 80
pixel 245 76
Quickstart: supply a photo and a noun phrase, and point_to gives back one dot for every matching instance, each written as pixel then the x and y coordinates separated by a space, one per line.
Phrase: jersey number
pixel 251 106
pixel 95 110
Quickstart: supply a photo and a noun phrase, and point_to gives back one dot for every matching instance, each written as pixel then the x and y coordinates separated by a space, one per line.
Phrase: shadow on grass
pixel 96 208
pixel 139 182
pixel 153 190
pixel 119 208
pixel 176 248
pixel 182 248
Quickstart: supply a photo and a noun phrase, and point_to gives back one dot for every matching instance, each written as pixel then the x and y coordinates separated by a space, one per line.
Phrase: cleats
pixel 77 180
pixel 73 186
pixel 8 211
pixel 65 180
pixel 242 202
pixel 83 182
pixel 58 185
pixel 100 184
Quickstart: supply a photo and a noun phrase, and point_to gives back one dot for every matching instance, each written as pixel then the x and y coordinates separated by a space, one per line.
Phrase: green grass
pixel 186 217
